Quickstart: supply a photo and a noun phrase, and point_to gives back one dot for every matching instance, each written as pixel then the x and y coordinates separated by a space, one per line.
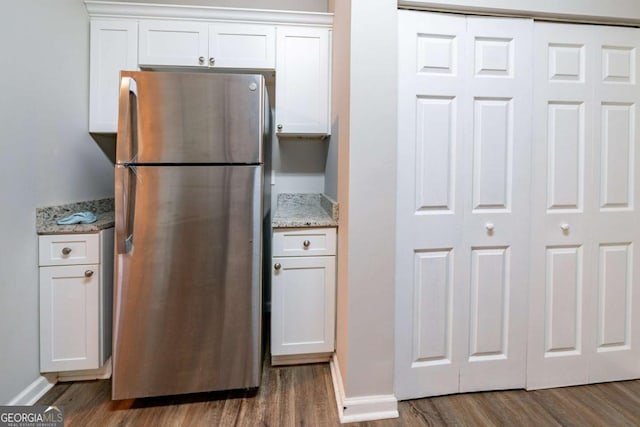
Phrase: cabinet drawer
pixel 304 242
pixel 69 249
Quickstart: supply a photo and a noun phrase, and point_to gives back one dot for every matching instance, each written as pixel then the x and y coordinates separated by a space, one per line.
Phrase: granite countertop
pixel 305 210
pixel 46 217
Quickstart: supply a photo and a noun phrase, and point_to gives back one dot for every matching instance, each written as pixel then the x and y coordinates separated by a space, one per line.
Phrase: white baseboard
pixel 364 408
pixel 45 382
pixel 34 391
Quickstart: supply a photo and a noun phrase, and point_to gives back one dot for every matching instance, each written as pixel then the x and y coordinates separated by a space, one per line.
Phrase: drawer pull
pixel 277 266
pixel 306 243
pixel 66 251
pixel 88 273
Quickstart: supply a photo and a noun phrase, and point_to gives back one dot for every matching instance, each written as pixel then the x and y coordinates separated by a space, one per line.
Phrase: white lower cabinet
pixel 303 296
pixel 76 275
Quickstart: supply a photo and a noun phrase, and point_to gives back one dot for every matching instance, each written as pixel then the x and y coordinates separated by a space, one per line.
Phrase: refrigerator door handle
pixel 127 138
pixel 125 189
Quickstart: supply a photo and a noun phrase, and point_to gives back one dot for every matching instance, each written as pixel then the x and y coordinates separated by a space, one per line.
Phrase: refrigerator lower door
pixel 187 296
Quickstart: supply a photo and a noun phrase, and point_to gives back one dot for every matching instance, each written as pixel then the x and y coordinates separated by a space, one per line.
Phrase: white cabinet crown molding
pixel 109 9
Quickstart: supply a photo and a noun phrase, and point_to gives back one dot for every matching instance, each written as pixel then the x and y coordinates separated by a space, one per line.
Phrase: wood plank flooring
pixel 303 396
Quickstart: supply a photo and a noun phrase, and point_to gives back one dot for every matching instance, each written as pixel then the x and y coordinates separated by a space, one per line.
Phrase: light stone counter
pixel 46 217
pixel 305 210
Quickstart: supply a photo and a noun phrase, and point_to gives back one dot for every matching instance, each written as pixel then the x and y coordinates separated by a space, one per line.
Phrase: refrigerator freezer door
pixel 187 314
pixel 172 118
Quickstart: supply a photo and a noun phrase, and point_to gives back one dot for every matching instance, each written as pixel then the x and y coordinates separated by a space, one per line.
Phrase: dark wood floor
pixel 303 396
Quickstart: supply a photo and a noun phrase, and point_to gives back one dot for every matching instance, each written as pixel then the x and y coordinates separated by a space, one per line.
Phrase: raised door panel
pixel 302 81
pixel 584 217
pixel 433 307
pixel 242 46
pixel 114 47
pixel 302 310
pixel 463 206
pixel 69 327
pixel 562 268
pixel 616 232
pixel 496 208
pixel 173 43
pixel 432 181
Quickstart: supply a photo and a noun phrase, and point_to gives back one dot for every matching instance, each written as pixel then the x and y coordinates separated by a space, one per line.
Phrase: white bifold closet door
pixel 463 203
pixel 584 300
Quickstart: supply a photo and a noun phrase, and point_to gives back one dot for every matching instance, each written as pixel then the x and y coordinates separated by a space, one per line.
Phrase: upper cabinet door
pixel 114 47
pixel 302 81
pixel 242 46
pixel 173 43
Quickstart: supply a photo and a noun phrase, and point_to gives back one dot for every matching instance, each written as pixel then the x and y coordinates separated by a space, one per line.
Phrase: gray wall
pixel 365 131
pixel 47 157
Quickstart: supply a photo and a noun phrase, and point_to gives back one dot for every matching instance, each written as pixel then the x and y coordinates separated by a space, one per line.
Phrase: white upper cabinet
pixel 173 43
pixel 130 36
pixel 200 44
pixel 242 46
pixel 114 47
pixel 302 81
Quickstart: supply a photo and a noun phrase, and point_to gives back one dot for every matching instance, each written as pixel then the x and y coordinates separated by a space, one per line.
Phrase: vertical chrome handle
pixel 125 189
pixel 127 137
pixel 66 251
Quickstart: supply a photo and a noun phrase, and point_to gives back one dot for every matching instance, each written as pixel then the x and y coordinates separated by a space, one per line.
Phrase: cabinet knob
pixel 88 273
pixel 277 266
pixel 201 60
pixel 279 128
pixel 66 251
pixel 306 243
pixel 212 60
pixel 564 227
pixel 490 227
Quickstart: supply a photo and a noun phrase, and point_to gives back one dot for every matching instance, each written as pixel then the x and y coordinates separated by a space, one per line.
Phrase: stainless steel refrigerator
pixel 189 179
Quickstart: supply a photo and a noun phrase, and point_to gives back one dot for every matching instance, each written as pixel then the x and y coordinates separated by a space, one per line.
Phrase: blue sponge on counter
pixel 77 218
